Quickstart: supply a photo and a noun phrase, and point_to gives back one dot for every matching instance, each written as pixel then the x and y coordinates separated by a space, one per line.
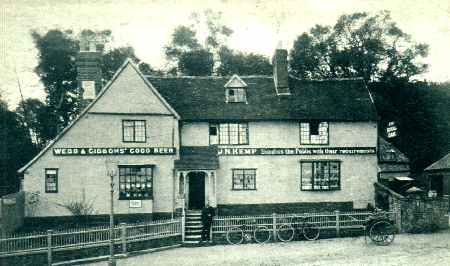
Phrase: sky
pixel 258 25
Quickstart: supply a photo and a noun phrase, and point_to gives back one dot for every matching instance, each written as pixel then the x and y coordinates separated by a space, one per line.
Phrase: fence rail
pixel 89 237
pixel 331 220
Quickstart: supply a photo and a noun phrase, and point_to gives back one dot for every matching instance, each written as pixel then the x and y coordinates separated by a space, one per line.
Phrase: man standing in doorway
pixel 207 217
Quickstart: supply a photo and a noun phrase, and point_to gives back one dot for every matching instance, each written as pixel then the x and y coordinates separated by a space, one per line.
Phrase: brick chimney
pixel 280 72
pixel 89 73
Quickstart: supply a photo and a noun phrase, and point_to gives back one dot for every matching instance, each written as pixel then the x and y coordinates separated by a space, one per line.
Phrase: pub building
pixel 243 144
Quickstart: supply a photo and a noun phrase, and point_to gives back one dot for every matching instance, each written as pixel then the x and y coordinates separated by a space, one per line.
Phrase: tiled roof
pixel 204 158
pixel 203 99
pixel 442 164
pixel 384 147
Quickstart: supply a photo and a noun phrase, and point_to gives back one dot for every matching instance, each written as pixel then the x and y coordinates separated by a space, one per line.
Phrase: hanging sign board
pixel 114 151
pixel 391 130
pixel 296 151
pixel 135 203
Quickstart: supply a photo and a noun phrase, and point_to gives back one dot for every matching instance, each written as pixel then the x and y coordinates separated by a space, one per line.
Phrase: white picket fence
pixel 325 220
pixel 70 239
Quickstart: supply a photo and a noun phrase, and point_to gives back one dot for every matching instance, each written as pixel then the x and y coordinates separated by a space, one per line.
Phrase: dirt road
pixel 407 249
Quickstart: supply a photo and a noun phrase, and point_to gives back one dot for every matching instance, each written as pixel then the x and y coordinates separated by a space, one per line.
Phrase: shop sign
pixel 391 130
pixel 114 151
pixel 296 151
pixel 135 203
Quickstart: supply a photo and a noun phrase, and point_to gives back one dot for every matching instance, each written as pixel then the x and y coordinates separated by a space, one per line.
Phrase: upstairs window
pixel 236 95
pixel 228 133
pixel 135 182
pixel 134 130
pixel 314 132
pixel 51 180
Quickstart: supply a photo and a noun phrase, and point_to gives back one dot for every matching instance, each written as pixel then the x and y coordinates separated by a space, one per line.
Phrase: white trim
pixel 85 111
pixel 235 77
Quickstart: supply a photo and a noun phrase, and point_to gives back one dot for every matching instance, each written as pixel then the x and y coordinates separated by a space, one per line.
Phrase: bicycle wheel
pixel 285 232
pixel 261 234
pixel 310 231
pixel 382 233
pixel 235 236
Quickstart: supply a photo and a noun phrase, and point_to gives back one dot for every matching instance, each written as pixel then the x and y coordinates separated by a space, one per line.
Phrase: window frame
pixel 234 98
pixel 233 170
pixel 134 131
pixel 309 133
pixel 218 132
pixel 56 180
pixel 312 162
pixel 120 181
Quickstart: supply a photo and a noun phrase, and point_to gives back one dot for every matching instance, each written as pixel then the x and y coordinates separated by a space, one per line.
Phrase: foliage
pixel 16 149
pixel 232 62
pixel 214 57
pixel 80 209
pixel 422 113
pixel 57 51
pixel 358 45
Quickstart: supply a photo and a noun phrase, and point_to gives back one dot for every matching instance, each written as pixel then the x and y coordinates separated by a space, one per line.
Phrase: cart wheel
pixel 310 231
pixel 262 234
pixel 382 233
pixel 235 236
pixel 285 232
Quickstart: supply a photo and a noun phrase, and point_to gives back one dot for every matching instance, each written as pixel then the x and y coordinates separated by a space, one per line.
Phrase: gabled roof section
pixel 442 164
pixel 201 99
pixel 127 62
pixel 385 147
pixel 235 82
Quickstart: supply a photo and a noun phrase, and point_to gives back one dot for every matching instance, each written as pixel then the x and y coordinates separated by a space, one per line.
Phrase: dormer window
pixel 236 95
pixel 236 90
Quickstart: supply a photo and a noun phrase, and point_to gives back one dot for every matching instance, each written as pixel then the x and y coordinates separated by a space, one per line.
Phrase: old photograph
pixel 224 132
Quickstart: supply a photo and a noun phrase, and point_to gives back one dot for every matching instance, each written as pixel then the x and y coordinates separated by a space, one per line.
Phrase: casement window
pixel 135 182
pixel 51 180
pixel 320 175
pixel 314 132
pixel 235 95
pixel 244 179
pixel 228 133
pixel 134 130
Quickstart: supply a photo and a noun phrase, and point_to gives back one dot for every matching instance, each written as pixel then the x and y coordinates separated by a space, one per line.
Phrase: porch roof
pixel 197 158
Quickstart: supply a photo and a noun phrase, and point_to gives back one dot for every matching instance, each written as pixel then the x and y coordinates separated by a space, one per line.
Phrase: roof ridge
pixel 207 77
pixel 330 79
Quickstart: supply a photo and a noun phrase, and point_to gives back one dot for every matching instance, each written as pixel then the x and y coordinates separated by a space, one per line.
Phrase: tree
pixel 15 149
pixel 56 68
pixel 358 45
pixel 232 62
pixel 185 51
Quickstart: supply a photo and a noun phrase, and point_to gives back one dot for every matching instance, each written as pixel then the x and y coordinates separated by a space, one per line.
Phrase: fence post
pixel 49 247
pixel 123 237
pixel 274 226
pixel 182 225
pixel 211 231
pixel 338 229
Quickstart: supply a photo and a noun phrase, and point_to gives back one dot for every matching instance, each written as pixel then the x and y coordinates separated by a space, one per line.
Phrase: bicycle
pixel 380 228
pixel 286 231
pixel 246 231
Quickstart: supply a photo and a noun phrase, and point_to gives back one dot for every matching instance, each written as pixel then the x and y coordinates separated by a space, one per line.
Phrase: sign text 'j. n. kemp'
pixel 114 151
pixel 296 151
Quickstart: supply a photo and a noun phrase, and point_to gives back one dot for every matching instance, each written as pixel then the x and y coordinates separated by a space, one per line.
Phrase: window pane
pixel 314 133
pixel 243 138
pixel 306 176
pixel 223 134
pixel 135 182
pixel 234 134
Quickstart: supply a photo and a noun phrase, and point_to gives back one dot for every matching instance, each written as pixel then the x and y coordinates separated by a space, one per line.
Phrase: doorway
pixel 196 190
pixel 437 184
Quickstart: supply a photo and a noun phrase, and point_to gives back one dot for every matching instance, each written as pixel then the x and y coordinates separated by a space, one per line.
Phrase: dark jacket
pixel 207 214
